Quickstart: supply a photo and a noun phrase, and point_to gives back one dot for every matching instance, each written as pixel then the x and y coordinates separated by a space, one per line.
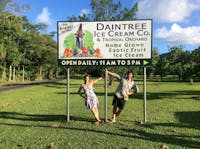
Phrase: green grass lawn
pixel 34 118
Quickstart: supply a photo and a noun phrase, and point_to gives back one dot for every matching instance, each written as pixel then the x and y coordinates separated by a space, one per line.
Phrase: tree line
pixel 184 64
pixel 25 53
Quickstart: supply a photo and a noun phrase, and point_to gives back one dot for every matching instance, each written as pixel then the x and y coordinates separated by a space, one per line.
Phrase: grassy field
pixel 34 118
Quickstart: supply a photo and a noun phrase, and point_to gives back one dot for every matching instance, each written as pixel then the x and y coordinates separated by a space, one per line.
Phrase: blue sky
pixel 175 22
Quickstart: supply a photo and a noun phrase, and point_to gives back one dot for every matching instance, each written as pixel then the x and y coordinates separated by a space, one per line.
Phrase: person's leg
pixel 118 112
pixel 118 109
pixel 114 114
pixel 95 112
pixel 114 103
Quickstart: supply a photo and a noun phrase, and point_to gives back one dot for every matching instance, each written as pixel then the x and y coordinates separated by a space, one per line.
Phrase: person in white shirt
pixel 125 88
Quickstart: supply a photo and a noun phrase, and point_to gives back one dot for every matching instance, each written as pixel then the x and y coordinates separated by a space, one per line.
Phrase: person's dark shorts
pixel 120 103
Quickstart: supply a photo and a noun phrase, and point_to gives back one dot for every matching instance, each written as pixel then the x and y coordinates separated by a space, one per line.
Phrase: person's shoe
pixel 112 121
pixel 99 122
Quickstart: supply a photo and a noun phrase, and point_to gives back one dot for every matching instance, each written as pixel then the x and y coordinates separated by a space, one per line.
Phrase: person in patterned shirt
pixel 91 100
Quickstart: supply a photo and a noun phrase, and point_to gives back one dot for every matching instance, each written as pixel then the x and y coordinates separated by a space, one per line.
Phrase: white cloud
pixel 178 34
pixel 44 17
pixel 84 11
pixel 167 10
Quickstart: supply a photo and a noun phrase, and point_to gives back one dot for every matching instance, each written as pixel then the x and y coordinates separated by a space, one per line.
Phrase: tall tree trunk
pixel 4 73
pixel 13 73
pixel 10 73
pixel 23 73
pixel 40 71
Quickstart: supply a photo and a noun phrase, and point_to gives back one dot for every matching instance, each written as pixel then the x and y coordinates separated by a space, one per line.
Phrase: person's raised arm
pixel 96 80
pixel 113 74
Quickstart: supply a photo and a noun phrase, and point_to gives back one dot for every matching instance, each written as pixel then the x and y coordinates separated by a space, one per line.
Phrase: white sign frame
pixel 105 43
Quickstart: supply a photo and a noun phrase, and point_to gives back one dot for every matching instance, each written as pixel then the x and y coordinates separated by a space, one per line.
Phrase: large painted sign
pixel 105 43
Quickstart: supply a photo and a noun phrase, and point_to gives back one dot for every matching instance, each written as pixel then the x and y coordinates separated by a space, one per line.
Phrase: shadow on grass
pixel 188 119
pixel 168 95
pixel 164 138
pixel 191 118
pixel 175 125
pixel 40 117
pixel 128 133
